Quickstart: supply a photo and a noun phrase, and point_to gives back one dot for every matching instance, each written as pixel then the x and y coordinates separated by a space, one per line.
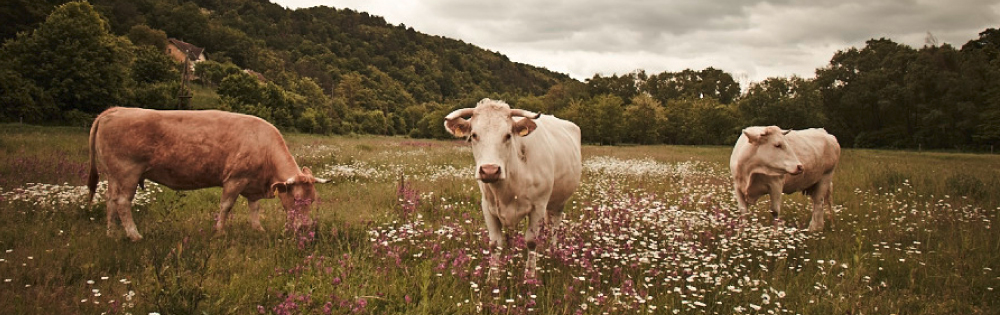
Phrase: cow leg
pixel 741 200
pixel 553 220
pixel 111 212
pixel 828 199
pixel 120 195
pixel 741 204
pixel 254 206
pixel 534 227
pixel 775 193
pixel 818 201
pixel 230 191
pixel 496 241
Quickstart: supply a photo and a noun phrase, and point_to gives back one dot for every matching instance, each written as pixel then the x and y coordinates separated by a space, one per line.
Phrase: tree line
pixel 337 71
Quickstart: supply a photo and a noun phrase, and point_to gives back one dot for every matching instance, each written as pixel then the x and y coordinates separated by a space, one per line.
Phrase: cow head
pixel 494 134
pixel 297 192
pixel 772 155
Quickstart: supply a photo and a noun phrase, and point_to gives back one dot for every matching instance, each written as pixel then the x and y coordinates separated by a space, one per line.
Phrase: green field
pixel 652 229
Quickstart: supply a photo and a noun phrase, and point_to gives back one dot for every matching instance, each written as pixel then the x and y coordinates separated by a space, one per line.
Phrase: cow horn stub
pixel 524 113
pixel 460 113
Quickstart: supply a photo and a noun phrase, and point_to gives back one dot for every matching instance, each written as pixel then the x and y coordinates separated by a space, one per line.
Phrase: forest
pixel 338 71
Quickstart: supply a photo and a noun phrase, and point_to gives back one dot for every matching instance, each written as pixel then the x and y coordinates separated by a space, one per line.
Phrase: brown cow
pixel 186 150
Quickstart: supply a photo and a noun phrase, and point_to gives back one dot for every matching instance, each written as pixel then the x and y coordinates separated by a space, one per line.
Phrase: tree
pixel 153 66
pixel 643 120
pixel 790 103
pixel 212 73
pixel 143 35
pixel 608 113
pixel 21 100
pixel 74 58
pixel 863 93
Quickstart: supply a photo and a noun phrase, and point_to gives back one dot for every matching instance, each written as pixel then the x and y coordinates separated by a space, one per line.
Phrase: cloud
pixel 754 39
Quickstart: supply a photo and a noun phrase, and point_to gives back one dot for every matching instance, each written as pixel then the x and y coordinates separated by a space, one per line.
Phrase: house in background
pixel 183 52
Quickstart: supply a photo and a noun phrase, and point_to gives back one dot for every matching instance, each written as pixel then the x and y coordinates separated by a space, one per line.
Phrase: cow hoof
pixel 135 237
pixel 493 276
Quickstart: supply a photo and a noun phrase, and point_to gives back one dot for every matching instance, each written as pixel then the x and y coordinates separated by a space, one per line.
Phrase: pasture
pixel 653 229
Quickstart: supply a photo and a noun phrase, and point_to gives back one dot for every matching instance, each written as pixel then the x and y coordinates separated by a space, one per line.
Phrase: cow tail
pixel 93 177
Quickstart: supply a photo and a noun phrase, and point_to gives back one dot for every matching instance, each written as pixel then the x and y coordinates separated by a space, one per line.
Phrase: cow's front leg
pixel 553 221
pixel 535 218
pixel 775 192
pixel 255 215
pixel 496 242
pixel 230 191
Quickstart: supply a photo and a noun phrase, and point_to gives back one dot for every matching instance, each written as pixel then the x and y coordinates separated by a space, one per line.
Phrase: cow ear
pixel 524 127
pixel 276 188
pixel 458 127
pixel 752 136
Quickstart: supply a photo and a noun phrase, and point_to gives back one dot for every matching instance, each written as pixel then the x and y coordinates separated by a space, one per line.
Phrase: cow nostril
pixel 489 169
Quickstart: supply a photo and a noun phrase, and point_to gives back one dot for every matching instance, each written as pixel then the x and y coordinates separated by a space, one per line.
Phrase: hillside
pixel 338 71
pixel 322 43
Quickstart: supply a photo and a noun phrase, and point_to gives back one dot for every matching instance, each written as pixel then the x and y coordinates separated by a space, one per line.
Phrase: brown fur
pixel 186 150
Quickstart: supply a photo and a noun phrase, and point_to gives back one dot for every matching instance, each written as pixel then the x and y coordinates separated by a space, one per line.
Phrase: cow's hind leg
pixel 230 191
pixel 820 195
pixel 120 195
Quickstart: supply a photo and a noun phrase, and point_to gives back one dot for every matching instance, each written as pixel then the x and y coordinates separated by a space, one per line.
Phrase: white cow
pixel 527 165
pixel 768 160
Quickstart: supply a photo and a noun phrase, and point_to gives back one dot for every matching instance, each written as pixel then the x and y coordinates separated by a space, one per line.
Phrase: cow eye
pixel 507 137
pixel 474 137
pixel 777 145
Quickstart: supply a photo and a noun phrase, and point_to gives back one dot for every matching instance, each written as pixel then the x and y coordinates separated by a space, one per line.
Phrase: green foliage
pixel 143 35
pixel 212 72
pixel 22 101
pixel 790 103
pixel 153 66
pixel 329 70
pixel 74 58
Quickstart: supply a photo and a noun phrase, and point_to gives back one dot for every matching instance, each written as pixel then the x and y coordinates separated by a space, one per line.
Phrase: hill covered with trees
pixel 328 70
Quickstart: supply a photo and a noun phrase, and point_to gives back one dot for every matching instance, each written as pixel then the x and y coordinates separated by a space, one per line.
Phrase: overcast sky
pixel 750 39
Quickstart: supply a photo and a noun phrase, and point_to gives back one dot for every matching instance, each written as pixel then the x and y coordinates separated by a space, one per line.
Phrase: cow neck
pixel 745 169
pixel 284 165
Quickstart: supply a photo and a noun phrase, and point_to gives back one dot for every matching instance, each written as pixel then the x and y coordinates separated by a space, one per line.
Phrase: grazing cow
pixel 527 165
pixel 185 150
pixel 768 160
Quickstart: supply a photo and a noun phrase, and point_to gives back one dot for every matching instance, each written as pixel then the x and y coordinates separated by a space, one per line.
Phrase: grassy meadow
pixel 652 229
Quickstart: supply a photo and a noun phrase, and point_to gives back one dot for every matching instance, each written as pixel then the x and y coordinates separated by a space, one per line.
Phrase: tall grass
pixel 653 229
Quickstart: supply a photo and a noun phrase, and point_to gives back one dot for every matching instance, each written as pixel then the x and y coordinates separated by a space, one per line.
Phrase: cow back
pixel 187 149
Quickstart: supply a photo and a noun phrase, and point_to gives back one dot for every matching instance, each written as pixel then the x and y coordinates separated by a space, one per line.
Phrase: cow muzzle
pixel 489 173
pixel 798 170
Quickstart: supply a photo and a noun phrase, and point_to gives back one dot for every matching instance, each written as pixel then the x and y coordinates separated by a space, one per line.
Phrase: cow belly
pixel 183 179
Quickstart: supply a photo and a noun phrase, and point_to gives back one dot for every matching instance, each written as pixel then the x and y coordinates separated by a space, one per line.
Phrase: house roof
pixel 191 50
